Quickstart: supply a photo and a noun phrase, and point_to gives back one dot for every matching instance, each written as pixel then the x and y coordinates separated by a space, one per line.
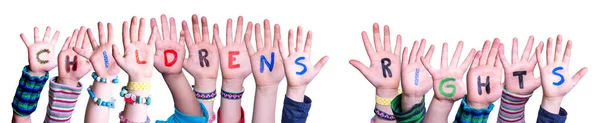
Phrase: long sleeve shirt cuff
pixel 63 99
pixel 414 115
pixel 547 117
pixel 468 114
pixel 512 107
pixel 295 112
pixel 179 117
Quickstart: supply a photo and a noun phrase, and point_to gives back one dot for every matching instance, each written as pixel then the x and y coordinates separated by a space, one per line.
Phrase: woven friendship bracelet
pixel 231 95
pixel 203 96
pixel 103 80
pixel 28 92
pixel 138 86
pixel 383 115
pixel 134 99
pixel 110 103
pixel 125 120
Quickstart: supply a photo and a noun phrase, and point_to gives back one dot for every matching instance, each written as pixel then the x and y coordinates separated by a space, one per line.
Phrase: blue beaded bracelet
pixel 134 99
pixel 110 103
pixel 103 80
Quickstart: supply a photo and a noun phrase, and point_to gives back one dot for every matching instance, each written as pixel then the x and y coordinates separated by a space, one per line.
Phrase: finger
pixel 47 34
pixel 428 55
pixel 101 35
pixel 125 32
pixel 110 34
pixel 549 52
pixel 427 64
pixel 421 50
pixel 73 38
pixel 386 38
pixel 182 38
pixel 413 52
pixel 484 53
pixel 189 41
pixel 579 75
pixel 377 38
pixel 248 33
pixel 92 40
pixel 299 39
pixel 36 34
pixel 497 62
pixel 282 50
pixel 196 29
pixel 515 51
pixel 360 66
pixel 55 37
pixel 367 43
pixel 291 42
pixel 133 29
pixel 477 60
pixel 533 60
pixel 86 42
pixel 503 58
pixel 66 44
pixel 308 44
pixel 444 61
pixel 117 55
pixel 164 24
pixel 558 52
pixel 567 58
pixel 405 56
pixel 205 33
pixel 258 37
pixel 142 30
pixel 538 55
pixel 173 29
pixel 493 52
pixel 80 37
pixel 527 51
pixel 468 61
pixel 456 56
pixel 267 30
pixel 321 63
pixel 398 47
pixel 277 35
pixel 154 35
pixel 216 37
pixel 25 40
pixel 82 52
pixel 239 28
pixel 228 38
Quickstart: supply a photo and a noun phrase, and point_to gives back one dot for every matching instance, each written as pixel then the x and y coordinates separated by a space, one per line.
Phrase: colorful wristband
pixel 103 80
pixel 468 114
pixel 383 115
pixel 231 95
pixel 134 99
pixel 110 103
pixel 385 101
pixel 61 104
pixel 28 92
pixel 203 96
pixel 138 86
pixel 124 120
pixel 512 107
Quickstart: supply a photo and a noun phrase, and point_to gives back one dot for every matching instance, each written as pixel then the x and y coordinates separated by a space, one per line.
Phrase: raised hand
pixel 554 70
pixel 235 64
pixel 448 79
pixel 295 63
pixel 203 60
pixel 518 75
pixel 101 58
pixel 139 55
pixel 384 71
pixel 416 81
pixel 72 66
pixel 266 61
pixel 41 51
pixel 484 84
pixel 170 52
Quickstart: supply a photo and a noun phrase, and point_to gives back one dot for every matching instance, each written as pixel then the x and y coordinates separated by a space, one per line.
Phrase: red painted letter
pixel 137 57
pixel 231 59
pixel 167 63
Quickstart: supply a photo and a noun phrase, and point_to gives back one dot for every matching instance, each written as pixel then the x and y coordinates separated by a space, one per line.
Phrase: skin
pixel 486 64
pixel 267 82
pixel 184 99
pixel 385 87
pixel 132 41
pixel 36 68
pixel 553 95
pixel 205 77
pixel 413 94
pixel 440 105
pixel 233 78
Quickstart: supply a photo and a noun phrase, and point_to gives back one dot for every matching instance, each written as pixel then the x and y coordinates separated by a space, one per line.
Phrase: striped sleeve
pixel 512 107
pixel 468 114
pixel 414 115
pixel 62 102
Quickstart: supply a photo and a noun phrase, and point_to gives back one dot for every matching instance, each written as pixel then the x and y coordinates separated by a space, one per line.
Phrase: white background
pixel 340 93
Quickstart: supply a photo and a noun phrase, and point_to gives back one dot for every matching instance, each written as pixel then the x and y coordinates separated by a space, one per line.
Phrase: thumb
pixel 117 55
pixel 360 66
pixel 579 75
pixel 321 63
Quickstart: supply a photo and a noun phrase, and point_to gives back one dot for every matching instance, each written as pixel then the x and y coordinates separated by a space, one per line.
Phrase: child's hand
pixel 74 66
pixel 170 52
pixel 416 81
pixel 41 51
pixel 484 84
pixel 235 64
pixel 296 70
pixel 266 61
pixel 102 57
pixel 518 76
pixel 384 71
pixel 554 70
pixel 139 55
pixel 448 80
pixel 203 60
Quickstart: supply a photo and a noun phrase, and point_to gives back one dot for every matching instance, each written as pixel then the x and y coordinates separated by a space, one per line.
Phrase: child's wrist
pixel 232 85
pixel 386 93
pixel 67 81
pixel 37 72
pixel 205 85
pixel 552 104
pixel 296 93
pixel 139 79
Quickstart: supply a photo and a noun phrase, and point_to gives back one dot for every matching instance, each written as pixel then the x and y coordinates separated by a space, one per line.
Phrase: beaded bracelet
pixel 110 103
pixel 124 120
pixel 384 115
pixel 232 96
pixel 138 86
pixel 205 96
pixel 134 99
pixel 103 80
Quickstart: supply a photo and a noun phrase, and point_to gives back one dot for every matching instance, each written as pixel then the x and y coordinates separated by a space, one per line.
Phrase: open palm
pixel 525 66
pixel 448 80
pixel 484 84
pixel 203 59
pixel 267 66
pixel 101 58
pixel 139 55
pixel 169 55
pixel 416 81
pixel 75 66
pixel 296 70
pixel 41 51
pixel 556 81
pixel 235 63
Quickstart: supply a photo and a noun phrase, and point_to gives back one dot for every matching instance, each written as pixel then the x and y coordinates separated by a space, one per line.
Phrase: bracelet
pixel 138 86
pixel 385 101
pixel 205 96
pixel 124 120
pixel 231 95
pixel 103 80
pixel 384 115
pixel 134 99
pixel 110 103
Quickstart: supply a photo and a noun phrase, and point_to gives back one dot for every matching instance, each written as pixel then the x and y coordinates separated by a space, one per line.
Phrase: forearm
pixel 98 113
pixel 27 94
pixel 137 112
pixel 387 94
pixel 265 100
pixel 62 101
pixel 230 109
pixel 206 86
pixel 183 98
pixel 438 111
pixel 512 107
pixel 409 101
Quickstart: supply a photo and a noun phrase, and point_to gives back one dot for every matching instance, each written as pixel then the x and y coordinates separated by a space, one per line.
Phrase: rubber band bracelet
pixel 106 103
pixel 103 80
pixel 210 96
pixel 231 95
pixel 134 99
pixel 124 120
pixel 383 115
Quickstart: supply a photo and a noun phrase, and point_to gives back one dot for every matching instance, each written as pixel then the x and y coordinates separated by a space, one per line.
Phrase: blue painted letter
pixel 105 59
pixel 301 64
pixel 263 62
pixel 562 78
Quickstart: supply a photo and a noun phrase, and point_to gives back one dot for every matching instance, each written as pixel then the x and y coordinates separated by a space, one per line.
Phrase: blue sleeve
pixel 547 117
pixel 295 112
pixel 179 117
pixel 468 114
